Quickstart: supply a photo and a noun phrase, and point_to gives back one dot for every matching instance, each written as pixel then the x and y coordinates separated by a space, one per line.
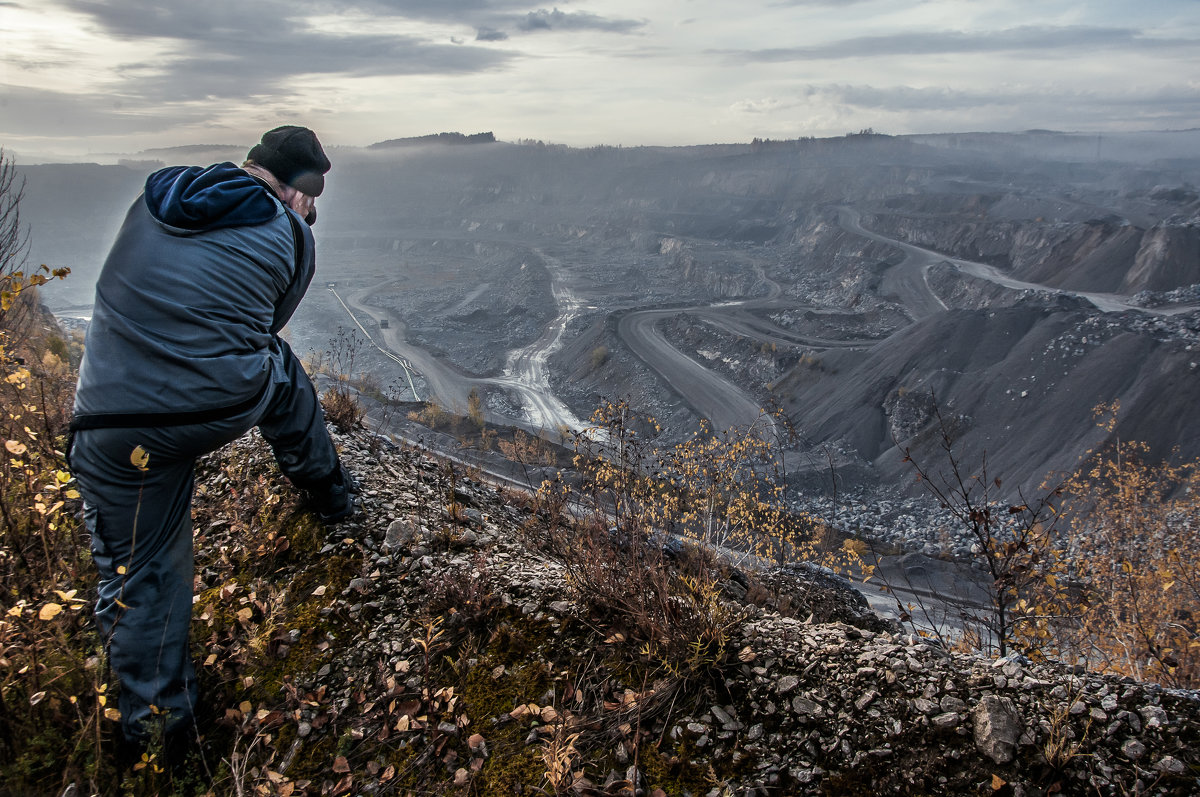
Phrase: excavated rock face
pixel 1168 257
pixel 908 412
pixel 460 647
pixel 1064 245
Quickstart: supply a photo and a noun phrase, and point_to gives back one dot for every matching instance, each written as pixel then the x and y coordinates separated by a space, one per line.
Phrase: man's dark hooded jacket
pixel 182 357
pixel 182 326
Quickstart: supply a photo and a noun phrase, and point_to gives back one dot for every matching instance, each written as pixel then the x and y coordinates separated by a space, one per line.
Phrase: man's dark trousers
pixel 141 526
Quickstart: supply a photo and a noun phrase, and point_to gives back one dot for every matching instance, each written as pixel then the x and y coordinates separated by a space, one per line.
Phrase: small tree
pixel 18 286
pixel 340 401
pixel 1014 543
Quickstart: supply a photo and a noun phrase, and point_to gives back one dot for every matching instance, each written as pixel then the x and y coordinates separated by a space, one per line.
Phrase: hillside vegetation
pixel 461 640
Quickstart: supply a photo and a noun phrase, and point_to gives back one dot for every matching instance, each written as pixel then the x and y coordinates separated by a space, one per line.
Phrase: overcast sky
pixel 82 77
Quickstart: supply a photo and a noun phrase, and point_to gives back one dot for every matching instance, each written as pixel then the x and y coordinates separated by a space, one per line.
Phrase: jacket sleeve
pixel 304 266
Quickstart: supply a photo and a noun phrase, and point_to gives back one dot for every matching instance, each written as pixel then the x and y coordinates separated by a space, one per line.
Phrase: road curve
pixel 908 280
pixel 443 384
pixel 527 369
pixel 525 376
pixel 712 396
pixel 723 403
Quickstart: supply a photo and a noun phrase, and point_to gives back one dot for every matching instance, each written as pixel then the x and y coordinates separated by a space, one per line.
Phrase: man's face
pixel 306 206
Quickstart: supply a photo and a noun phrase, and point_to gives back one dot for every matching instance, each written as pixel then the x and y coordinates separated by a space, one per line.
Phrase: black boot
pixel 334 497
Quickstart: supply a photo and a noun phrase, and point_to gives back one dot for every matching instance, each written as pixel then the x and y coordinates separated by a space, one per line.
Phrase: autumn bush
pixel 52 675
pixel 1121 592
pixel 52 680
pixel 1101 569
pixel 653 528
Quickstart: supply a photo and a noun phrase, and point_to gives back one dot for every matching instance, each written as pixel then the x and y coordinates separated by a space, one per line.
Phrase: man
pixel 183 356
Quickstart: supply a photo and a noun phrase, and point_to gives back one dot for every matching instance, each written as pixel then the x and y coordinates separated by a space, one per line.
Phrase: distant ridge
pixel 437 138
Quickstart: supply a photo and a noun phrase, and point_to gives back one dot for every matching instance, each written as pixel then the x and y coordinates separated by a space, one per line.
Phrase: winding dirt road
pixel 525 375
pixel 909 280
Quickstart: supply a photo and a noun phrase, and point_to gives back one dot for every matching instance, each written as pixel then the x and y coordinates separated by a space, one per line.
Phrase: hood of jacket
pixel 198 199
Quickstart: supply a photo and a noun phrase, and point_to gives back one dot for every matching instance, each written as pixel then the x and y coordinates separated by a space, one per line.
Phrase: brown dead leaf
pixel 409 708
pixel 340 765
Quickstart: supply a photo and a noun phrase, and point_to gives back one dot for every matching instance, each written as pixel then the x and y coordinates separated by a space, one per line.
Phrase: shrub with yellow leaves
pixel 1102 570
pixel 653 529
pixel 49 656
pixel 1126 580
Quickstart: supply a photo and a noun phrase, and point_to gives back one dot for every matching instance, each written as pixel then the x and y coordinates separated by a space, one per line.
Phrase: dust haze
pixel 1011 281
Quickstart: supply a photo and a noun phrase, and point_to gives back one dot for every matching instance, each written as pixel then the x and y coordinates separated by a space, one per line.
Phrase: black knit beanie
pixel 294 156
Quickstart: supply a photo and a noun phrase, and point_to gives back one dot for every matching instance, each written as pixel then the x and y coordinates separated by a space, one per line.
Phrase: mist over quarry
pixel 1013 281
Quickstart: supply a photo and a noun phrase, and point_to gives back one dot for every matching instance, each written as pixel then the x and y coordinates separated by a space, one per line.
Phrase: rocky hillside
pixel 440 642
pixel 1063 243
pixel 1020 383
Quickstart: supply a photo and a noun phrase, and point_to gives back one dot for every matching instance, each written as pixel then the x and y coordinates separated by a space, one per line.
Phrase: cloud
pixel 1048 41
pixel 210 19
pixel 580 20
pixel 1180 99
pixel 232 48
pixel 1017 107
pixel 493 16
pixel 765 105
pixel 274 66
pixel 38 112
pixel 467 12
pixel 490 35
